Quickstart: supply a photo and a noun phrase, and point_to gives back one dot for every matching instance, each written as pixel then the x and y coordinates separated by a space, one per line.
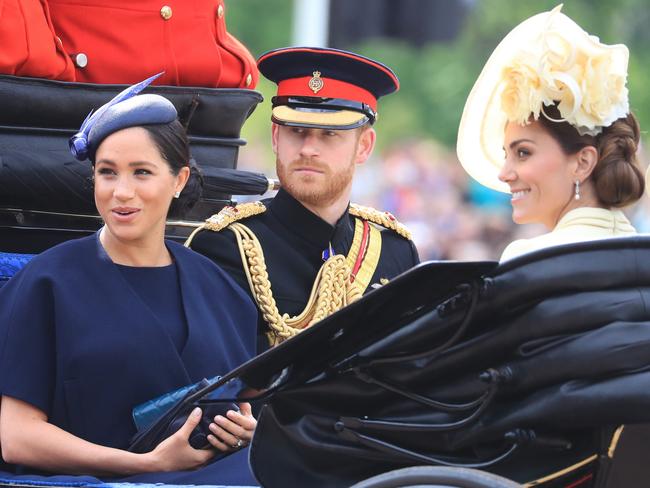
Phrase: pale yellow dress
pixel 580 224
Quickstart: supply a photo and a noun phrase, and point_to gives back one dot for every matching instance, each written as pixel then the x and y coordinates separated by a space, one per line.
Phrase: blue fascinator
pixel 123 111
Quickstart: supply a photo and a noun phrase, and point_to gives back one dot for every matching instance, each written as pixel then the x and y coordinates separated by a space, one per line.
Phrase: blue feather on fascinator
pixel 148 109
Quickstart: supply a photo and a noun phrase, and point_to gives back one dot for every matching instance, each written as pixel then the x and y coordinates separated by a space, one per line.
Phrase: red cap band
pixel 331 88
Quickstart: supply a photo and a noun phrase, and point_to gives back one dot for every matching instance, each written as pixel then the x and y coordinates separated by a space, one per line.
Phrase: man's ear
pixel 586 160
pixel 365 145
pixel 275 129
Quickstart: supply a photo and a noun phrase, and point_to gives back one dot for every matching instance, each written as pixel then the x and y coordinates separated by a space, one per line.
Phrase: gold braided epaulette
pixel 385 219
pixel 228 215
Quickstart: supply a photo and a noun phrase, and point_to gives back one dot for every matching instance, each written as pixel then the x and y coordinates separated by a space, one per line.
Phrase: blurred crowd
pixel 450 215
pixel 424 186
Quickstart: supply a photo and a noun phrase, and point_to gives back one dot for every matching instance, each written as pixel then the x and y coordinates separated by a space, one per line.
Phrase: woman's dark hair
pixel 617 177
pixel 174 146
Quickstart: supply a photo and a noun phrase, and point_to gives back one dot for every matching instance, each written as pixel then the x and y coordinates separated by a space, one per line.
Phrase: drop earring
pixel 576 195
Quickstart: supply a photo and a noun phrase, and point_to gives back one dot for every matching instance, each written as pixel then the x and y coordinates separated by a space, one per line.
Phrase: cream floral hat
pixel 548 58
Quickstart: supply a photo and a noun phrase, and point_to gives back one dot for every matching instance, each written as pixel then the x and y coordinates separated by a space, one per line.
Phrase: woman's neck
pixel 587 200
pixel 150 252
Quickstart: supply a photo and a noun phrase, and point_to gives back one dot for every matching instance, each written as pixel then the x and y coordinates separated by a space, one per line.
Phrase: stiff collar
pixel 612 220
pixel 303 223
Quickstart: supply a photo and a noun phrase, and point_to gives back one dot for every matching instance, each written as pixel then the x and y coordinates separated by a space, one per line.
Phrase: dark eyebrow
pixel 519 141
pixel 105 161
pixel 141 163
pixel 132 164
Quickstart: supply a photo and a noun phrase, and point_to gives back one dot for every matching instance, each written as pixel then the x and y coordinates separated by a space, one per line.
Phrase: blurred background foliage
pixel 437 76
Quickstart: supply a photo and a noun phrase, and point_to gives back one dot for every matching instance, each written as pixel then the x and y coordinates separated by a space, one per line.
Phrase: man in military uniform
pixel 308 252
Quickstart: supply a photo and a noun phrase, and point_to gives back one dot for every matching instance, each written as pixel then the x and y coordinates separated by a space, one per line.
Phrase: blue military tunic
pixel 81 344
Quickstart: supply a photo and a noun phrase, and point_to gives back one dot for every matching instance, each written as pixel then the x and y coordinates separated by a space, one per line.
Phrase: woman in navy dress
pixel 95 326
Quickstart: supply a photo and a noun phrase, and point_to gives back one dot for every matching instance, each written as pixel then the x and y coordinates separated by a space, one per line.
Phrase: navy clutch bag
pixel 161 417
pixel 148 412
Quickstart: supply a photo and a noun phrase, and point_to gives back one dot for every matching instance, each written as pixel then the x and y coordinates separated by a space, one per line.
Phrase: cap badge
pixel 316 82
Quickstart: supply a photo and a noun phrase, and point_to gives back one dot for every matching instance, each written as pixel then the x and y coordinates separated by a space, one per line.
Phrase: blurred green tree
pixel 436 79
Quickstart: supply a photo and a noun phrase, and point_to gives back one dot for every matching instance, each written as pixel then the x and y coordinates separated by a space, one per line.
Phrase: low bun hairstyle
pixel 174 146
pixel 617 177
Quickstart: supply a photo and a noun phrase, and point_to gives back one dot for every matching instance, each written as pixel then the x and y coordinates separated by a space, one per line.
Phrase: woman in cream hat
pixel 548 121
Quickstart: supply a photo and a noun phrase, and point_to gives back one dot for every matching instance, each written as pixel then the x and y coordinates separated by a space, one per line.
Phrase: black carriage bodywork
pixel 46 195
pixel 526 370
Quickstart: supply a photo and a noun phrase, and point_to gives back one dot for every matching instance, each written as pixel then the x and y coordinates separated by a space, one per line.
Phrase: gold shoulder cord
pixel 331 291
pixel 385 219
pixel 226 216
pixel 334 286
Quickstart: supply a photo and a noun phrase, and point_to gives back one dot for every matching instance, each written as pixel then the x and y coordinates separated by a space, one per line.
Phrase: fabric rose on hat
pixel 569 67
pixel 523 90
pixel 604 95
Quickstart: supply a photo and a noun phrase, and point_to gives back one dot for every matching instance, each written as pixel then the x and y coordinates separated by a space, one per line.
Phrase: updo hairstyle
pixel 617 178
pixel 174 146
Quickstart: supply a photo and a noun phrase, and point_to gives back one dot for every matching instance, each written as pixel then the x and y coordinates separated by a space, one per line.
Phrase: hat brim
pixel 482 127
pixel 318 118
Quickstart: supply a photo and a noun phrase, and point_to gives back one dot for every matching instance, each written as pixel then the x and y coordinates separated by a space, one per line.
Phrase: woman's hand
pixel 234 431
pixel 175 453
pixel 28 438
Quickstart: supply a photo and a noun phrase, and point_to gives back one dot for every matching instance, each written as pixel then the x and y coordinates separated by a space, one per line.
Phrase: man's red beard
pixel 314 189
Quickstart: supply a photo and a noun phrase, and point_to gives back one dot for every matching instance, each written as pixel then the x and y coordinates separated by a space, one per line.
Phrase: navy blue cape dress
pixel 78 342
